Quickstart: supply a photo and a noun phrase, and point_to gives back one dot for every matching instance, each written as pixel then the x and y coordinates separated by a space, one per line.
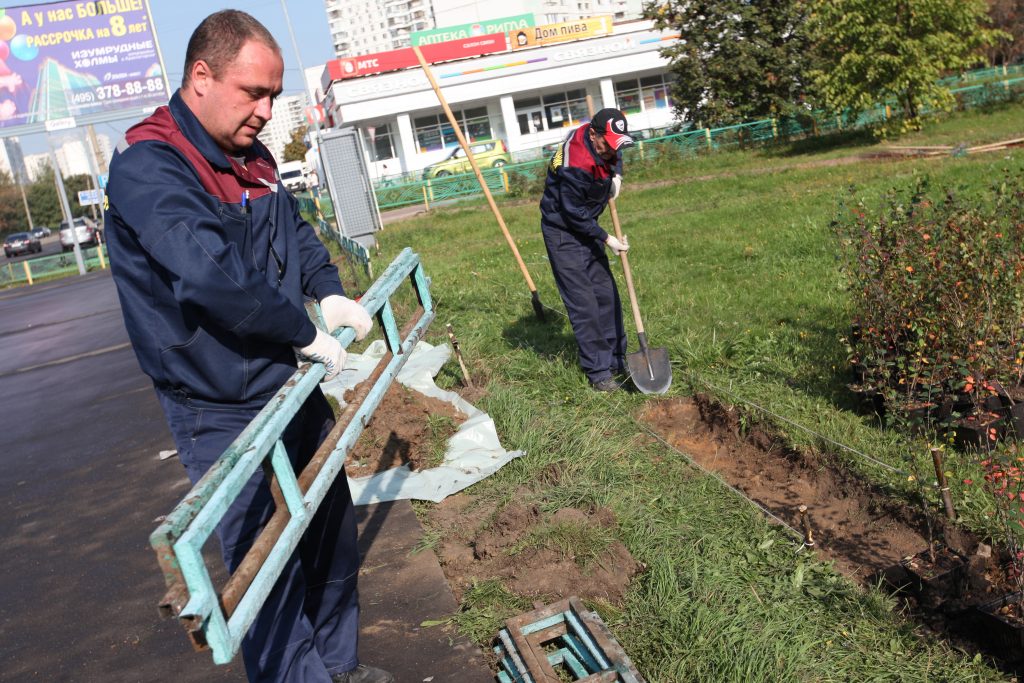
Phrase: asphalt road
pixel 81 484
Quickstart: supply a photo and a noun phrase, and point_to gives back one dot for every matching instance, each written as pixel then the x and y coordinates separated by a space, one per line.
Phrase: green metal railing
pixel 28 271
pixel 220 619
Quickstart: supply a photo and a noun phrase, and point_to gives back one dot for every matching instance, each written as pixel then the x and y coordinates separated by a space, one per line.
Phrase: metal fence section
pixel 219 620
pixel 440 189
pixel 28 271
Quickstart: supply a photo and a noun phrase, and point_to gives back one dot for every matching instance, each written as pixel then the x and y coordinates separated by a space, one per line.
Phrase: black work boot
pixel 363 674
pixel 606 385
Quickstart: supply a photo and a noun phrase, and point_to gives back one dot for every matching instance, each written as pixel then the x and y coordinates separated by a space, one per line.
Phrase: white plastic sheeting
pixel 473 452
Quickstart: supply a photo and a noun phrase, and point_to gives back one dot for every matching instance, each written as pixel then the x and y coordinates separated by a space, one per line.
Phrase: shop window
pixel 434 132
pixel 565 109
pixel 654 90
pixel 380 145
pixel 634 96
pixel 627 96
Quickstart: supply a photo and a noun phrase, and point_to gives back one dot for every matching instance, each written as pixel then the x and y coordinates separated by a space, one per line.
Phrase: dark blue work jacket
pixel 211 285
pixel 578 186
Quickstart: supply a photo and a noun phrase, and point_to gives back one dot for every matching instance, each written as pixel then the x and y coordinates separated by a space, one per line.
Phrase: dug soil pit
pixel 868 534
pixel 408 428
pixel 540 556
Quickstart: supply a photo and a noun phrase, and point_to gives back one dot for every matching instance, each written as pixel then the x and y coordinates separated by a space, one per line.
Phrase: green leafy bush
pixel 937 290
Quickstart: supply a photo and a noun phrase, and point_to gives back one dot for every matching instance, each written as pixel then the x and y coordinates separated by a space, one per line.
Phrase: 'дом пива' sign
pixel 68 59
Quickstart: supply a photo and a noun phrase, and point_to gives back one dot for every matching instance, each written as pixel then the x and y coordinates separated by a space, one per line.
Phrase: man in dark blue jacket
pixel 583 175
pixel 212 263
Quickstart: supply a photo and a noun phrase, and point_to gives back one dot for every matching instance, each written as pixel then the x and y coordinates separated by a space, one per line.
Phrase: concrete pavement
pixel 81 487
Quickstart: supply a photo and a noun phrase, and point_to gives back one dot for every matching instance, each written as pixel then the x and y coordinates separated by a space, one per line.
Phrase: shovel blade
pixel 650 370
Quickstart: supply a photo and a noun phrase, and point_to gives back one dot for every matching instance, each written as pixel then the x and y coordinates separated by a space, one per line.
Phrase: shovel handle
pixel 625 261
pixel 629 277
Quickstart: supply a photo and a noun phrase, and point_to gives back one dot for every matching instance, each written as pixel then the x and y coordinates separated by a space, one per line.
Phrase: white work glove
pixel 616 246
pixel 341 311
pixel 616 186
pixel 327 350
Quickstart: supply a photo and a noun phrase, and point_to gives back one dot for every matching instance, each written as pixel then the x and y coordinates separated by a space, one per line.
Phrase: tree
pixel 738 60
pixel 12 210
pixel 296 149
pixel 73 184
pixel 45 203
pixel 1008 16
pixel 878 51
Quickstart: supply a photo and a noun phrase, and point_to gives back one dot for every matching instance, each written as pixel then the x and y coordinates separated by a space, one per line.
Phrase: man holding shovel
pixel 584 174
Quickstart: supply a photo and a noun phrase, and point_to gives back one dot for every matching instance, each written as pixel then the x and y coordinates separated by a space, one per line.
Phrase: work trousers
pixel 308 629
pixel 591 299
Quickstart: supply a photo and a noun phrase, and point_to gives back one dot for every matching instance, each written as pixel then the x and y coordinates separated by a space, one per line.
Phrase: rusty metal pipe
pixel 250 565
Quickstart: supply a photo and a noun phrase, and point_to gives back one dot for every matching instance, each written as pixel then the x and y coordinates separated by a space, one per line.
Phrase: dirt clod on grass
pixel 407 428
pixel 536 555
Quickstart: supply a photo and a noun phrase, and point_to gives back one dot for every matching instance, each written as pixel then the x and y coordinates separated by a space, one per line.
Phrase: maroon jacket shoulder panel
pixel 578 155
pixel 226 184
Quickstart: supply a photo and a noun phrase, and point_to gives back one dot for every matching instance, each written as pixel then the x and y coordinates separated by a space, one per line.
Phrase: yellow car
pixel 488 154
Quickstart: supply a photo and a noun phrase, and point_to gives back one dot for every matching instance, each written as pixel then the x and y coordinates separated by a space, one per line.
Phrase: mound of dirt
pixel 869 534
pixel 407 428
pixel 545 557
pixel 854 524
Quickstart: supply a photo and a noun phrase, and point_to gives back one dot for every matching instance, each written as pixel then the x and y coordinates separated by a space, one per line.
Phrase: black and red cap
pixel 611 125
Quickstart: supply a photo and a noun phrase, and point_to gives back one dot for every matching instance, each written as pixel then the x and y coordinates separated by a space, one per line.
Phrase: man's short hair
pixel 220 37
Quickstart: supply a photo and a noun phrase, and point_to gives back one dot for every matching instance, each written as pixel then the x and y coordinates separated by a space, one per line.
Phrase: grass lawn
pixel 737 275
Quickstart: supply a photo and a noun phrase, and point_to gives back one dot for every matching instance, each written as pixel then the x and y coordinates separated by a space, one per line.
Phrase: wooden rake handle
pixel 476 169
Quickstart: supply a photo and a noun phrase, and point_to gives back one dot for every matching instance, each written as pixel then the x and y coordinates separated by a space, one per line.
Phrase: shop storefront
pixel 528 98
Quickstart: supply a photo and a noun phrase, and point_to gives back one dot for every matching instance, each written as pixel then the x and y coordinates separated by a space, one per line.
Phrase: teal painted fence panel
pixel 180 538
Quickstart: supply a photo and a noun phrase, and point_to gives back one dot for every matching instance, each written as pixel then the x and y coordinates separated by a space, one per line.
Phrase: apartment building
pixel 365 26
pixel 287 115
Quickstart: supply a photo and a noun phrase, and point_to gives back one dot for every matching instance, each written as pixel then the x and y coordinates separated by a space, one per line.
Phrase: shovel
pixel 648 368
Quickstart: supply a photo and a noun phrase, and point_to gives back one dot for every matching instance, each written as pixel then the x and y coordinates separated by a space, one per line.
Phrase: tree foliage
pixel 12 209
pixel 895 51
pixel 737 60
pixel 296 149
pixel 43 201
pixel 1007 16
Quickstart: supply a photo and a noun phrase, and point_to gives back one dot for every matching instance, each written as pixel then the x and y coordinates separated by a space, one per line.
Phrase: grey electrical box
pixel 348 180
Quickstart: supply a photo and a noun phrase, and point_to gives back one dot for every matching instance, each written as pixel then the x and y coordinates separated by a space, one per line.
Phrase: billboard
pixel 379 62
pixel 64 60
pixel 547 34
pixel 502 25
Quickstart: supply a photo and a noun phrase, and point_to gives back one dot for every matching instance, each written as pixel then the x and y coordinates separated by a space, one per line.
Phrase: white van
pixel 293 175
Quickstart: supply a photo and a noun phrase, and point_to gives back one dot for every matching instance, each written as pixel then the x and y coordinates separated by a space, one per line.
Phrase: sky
pixel 176 19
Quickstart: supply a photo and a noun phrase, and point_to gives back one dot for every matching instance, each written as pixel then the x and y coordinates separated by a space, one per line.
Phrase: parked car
pixel 488 154
pixel 41 231
pixel 21 243
pixel 88 234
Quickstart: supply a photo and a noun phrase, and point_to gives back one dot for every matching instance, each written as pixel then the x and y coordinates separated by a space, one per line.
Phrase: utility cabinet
pixel 348 181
